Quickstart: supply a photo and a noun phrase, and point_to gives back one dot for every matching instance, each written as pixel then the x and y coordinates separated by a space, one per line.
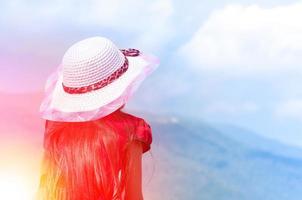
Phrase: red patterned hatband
pixel 102 83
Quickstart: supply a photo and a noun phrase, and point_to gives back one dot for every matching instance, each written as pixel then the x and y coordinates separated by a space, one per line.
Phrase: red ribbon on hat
pixel 102 83
pixel 130 52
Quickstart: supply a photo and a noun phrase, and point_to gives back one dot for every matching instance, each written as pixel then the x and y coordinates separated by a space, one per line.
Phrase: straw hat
pixel 94 79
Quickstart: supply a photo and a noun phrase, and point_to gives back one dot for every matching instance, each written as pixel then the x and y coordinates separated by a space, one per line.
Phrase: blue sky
pixel 235 62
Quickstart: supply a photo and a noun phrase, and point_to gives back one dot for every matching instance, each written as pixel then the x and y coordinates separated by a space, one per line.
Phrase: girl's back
pixel 94 160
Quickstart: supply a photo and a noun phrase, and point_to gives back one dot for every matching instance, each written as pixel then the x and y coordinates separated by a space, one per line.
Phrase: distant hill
pixel 192 160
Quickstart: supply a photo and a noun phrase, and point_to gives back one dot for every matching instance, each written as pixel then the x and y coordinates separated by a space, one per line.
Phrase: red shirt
pixel 142 130
pixel 120 121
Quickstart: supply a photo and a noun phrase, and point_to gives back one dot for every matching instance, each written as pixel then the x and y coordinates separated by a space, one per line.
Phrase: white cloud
pixel 248 38
pixel 290 109
pixel 231 108
pixel 168 120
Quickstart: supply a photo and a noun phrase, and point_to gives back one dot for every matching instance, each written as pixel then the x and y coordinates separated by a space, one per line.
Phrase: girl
pixel 92 149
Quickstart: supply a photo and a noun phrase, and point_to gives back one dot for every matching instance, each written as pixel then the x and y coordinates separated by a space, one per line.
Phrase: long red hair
pixel 84 160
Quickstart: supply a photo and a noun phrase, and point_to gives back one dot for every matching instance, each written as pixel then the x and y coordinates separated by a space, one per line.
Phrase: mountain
pixel 193 160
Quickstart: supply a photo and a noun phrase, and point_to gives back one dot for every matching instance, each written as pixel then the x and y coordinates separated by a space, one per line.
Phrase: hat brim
pixel 58 105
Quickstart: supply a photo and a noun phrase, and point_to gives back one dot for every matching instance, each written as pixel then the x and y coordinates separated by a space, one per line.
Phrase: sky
pixel 235 62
